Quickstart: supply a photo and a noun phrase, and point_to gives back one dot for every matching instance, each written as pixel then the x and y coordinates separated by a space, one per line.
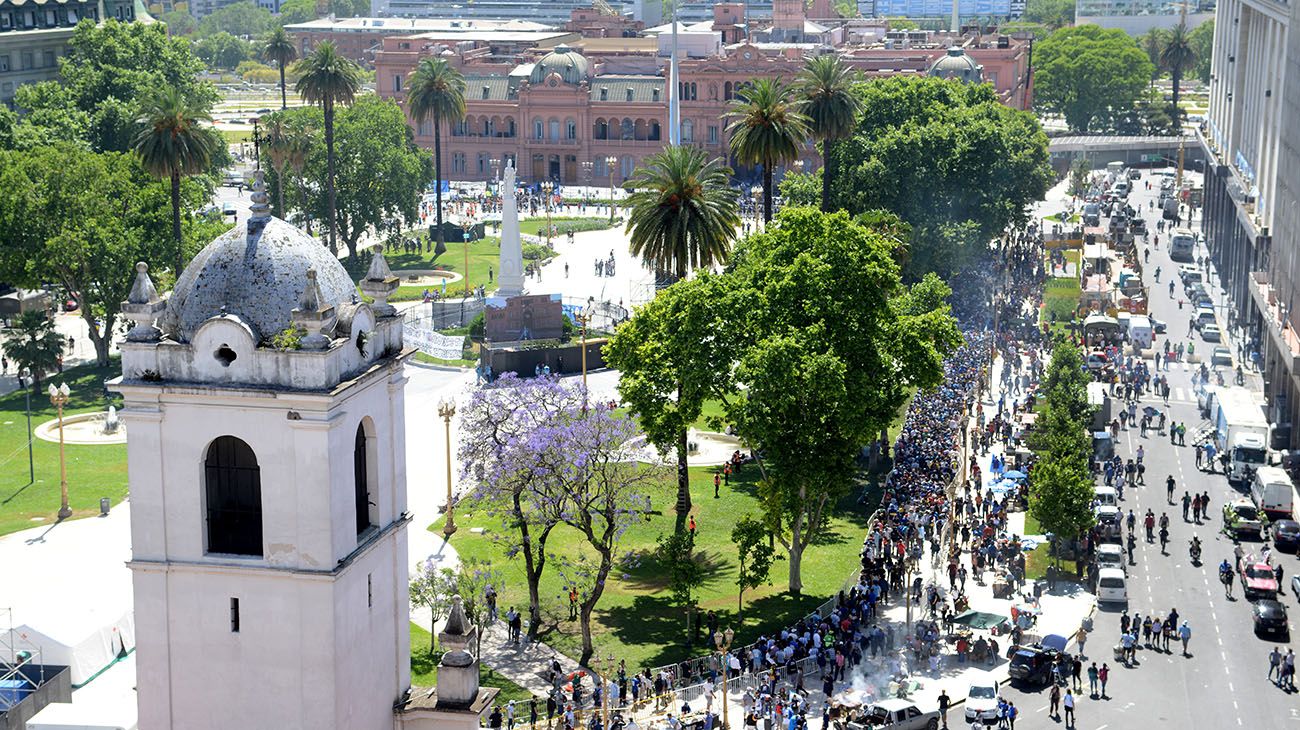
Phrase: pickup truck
pixel 896 715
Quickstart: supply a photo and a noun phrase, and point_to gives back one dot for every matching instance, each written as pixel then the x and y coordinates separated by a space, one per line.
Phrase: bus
pixel 1180 246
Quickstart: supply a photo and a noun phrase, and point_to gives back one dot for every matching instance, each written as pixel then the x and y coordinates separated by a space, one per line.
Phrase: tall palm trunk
pixel 437 184
pixel 176 221
pixel 279 194
pixel 284 97
pixel 329 172
pixel 1176 75
pixel 827 147
pixel 767 192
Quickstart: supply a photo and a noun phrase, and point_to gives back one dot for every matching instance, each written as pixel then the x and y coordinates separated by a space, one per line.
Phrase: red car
pixel 1258 580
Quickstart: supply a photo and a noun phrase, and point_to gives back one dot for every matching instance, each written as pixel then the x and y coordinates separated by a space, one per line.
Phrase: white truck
pixel 1240 431
pixel 1272 492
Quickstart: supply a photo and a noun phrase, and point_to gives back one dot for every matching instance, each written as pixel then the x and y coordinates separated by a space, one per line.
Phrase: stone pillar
pixel 510 274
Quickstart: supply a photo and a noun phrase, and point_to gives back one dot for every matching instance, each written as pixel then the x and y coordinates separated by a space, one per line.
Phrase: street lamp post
pixel 723 641
pixel 23 374
pixel 467 225
pixel 59 397
pixel 547 188
pixel 757 193
pixel 610 163
pixel 447 409
pixel 586 173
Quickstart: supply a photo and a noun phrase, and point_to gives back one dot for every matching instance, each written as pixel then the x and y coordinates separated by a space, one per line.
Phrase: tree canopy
pixel 946 157
pixel 380 170
pixel 1085 72
pixel 244 18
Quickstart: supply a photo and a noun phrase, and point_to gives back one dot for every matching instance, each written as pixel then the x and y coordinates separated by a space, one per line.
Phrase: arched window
pixel 362 467
pixel 726 91
pixel 602 129
pixel 627 129
pixel 554 126
pixel 233 484
pixel 570 129
pixel 538 129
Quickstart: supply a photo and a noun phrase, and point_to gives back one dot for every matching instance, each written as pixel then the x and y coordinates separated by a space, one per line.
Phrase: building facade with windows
pixel 1251 220
pixel 34 34
pixel 559 109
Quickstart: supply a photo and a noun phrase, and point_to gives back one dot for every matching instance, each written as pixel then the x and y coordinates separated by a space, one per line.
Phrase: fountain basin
pixel 82 429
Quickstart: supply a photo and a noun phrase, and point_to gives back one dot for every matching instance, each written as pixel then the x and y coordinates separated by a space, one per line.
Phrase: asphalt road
pixel 1222 684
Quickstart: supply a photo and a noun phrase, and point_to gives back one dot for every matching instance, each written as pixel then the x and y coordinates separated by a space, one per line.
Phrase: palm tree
pixel 172 143
pixel 277 142
pixel 436 91
pixel 328 79
pixel 682 215
pixel 301 139
pixel 1177 56
pixel 280 50
pixel 831 106
pixel 768 127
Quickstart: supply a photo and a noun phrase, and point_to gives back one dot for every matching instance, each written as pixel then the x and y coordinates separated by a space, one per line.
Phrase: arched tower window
pixel 363 480
pixel 233 483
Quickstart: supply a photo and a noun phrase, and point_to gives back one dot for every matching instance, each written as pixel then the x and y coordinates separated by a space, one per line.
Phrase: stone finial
pixel 458 671
pixel 143 306
pixel 313 315
pixel 261 206
pixel 379 283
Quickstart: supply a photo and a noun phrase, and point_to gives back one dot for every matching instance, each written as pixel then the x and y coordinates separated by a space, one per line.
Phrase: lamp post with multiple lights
pixel 59 398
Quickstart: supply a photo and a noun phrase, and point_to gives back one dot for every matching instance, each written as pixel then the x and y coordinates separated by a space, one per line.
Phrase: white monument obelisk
pixel 510 282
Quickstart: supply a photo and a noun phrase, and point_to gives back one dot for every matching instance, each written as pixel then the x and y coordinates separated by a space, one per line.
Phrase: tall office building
pixel 1251 221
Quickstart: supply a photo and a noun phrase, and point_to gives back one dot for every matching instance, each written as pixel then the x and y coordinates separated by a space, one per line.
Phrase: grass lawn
pixel 1038 559
pixel 462 363
pixel 93 471
pixel 636 619
pixel 537 226
pixel 424 670
pixel 235 136
pixel 1060 297
pixel 483 254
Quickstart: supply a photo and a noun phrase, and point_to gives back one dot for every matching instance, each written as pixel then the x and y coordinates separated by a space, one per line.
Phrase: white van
pixel 1140 331
pixel 1112 586
pixel 1106 496
pixel 1111 556
pixel 1272 492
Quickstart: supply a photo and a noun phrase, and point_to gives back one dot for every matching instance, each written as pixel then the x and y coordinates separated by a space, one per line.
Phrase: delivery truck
pixel 1240 431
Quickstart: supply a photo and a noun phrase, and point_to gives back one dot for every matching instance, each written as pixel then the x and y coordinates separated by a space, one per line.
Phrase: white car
pixel 982 702
pixel 1112 586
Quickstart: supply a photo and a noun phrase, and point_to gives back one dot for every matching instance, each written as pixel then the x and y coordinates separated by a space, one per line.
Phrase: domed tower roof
pixel 572 66
pixel 256 271
pixel 957 65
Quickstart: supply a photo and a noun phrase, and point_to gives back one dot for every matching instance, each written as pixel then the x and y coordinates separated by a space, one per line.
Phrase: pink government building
pixel 577 104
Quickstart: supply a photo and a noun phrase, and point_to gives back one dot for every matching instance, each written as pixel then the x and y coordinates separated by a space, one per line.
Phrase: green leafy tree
pixel 179 22
pixel 121 218
pixel 767 127
pixel 1202 42
pixel 755 555
pixel 280 50
pixel 1050 13
pixel 676 555
pixel 298 11
pixel 223 50
pixel 835 343
pixel 1152 43
pixel 436 92
pixel 34 344
pixel 672 356
pixel 379 171
pixel 801 188
pixel 940 154
pixel 173 142
pixel 826 83
pixel 328 79
pixel 432 587
pixel 1084 71
pixel 473 578
pixel 108 73
pixel 683 214
pixel 1177 57
pixel 277 143
pixel 244 18
pixel 1080 173
pixel 1061 493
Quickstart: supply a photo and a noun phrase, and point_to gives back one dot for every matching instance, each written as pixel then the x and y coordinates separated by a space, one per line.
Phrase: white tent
pixel 85 649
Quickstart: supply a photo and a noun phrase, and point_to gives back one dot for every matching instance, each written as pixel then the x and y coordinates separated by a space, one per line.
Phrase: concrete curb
pixel 431 366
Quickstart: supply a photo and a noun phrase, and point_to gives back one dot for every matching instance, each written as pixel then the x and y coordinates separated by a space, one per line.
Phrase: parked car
pixel 1158 326
pixel 1221 356
pixel 1295 585
pixel 1240 517
pixel 1270 618
pixel 900 715
pixel 1286 535
pixel 982 702
pixel 1189 275
pixel 1211 333
pixel 1032 665
pixel 1138 227
pixel 1098 360
pixel 228 208
pixel 1257 580
pixel 1112 586
pixel 1134 173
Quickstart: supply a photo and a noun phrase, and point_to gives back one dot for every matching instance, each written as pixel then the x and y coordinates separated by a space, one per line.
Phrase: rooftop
pixel 411 25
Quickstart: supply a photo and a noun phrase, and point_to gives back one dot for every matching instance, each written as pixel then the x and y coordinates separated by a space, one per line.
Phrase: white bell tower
pixel 268 489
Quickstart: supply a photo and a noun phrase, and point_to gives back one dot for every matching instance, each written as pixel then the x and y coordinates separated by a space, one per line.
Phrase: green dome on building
pixel 572 66
pixel 957 65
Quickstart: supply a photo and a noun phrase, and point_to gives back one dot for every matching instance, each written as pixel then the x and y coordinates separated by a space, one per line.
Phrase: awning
pixel 980 620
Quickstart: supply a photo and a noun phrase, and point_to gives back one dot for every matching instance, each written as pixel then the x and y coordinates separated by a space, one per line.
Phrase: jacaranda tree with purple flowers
pixel 510 460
